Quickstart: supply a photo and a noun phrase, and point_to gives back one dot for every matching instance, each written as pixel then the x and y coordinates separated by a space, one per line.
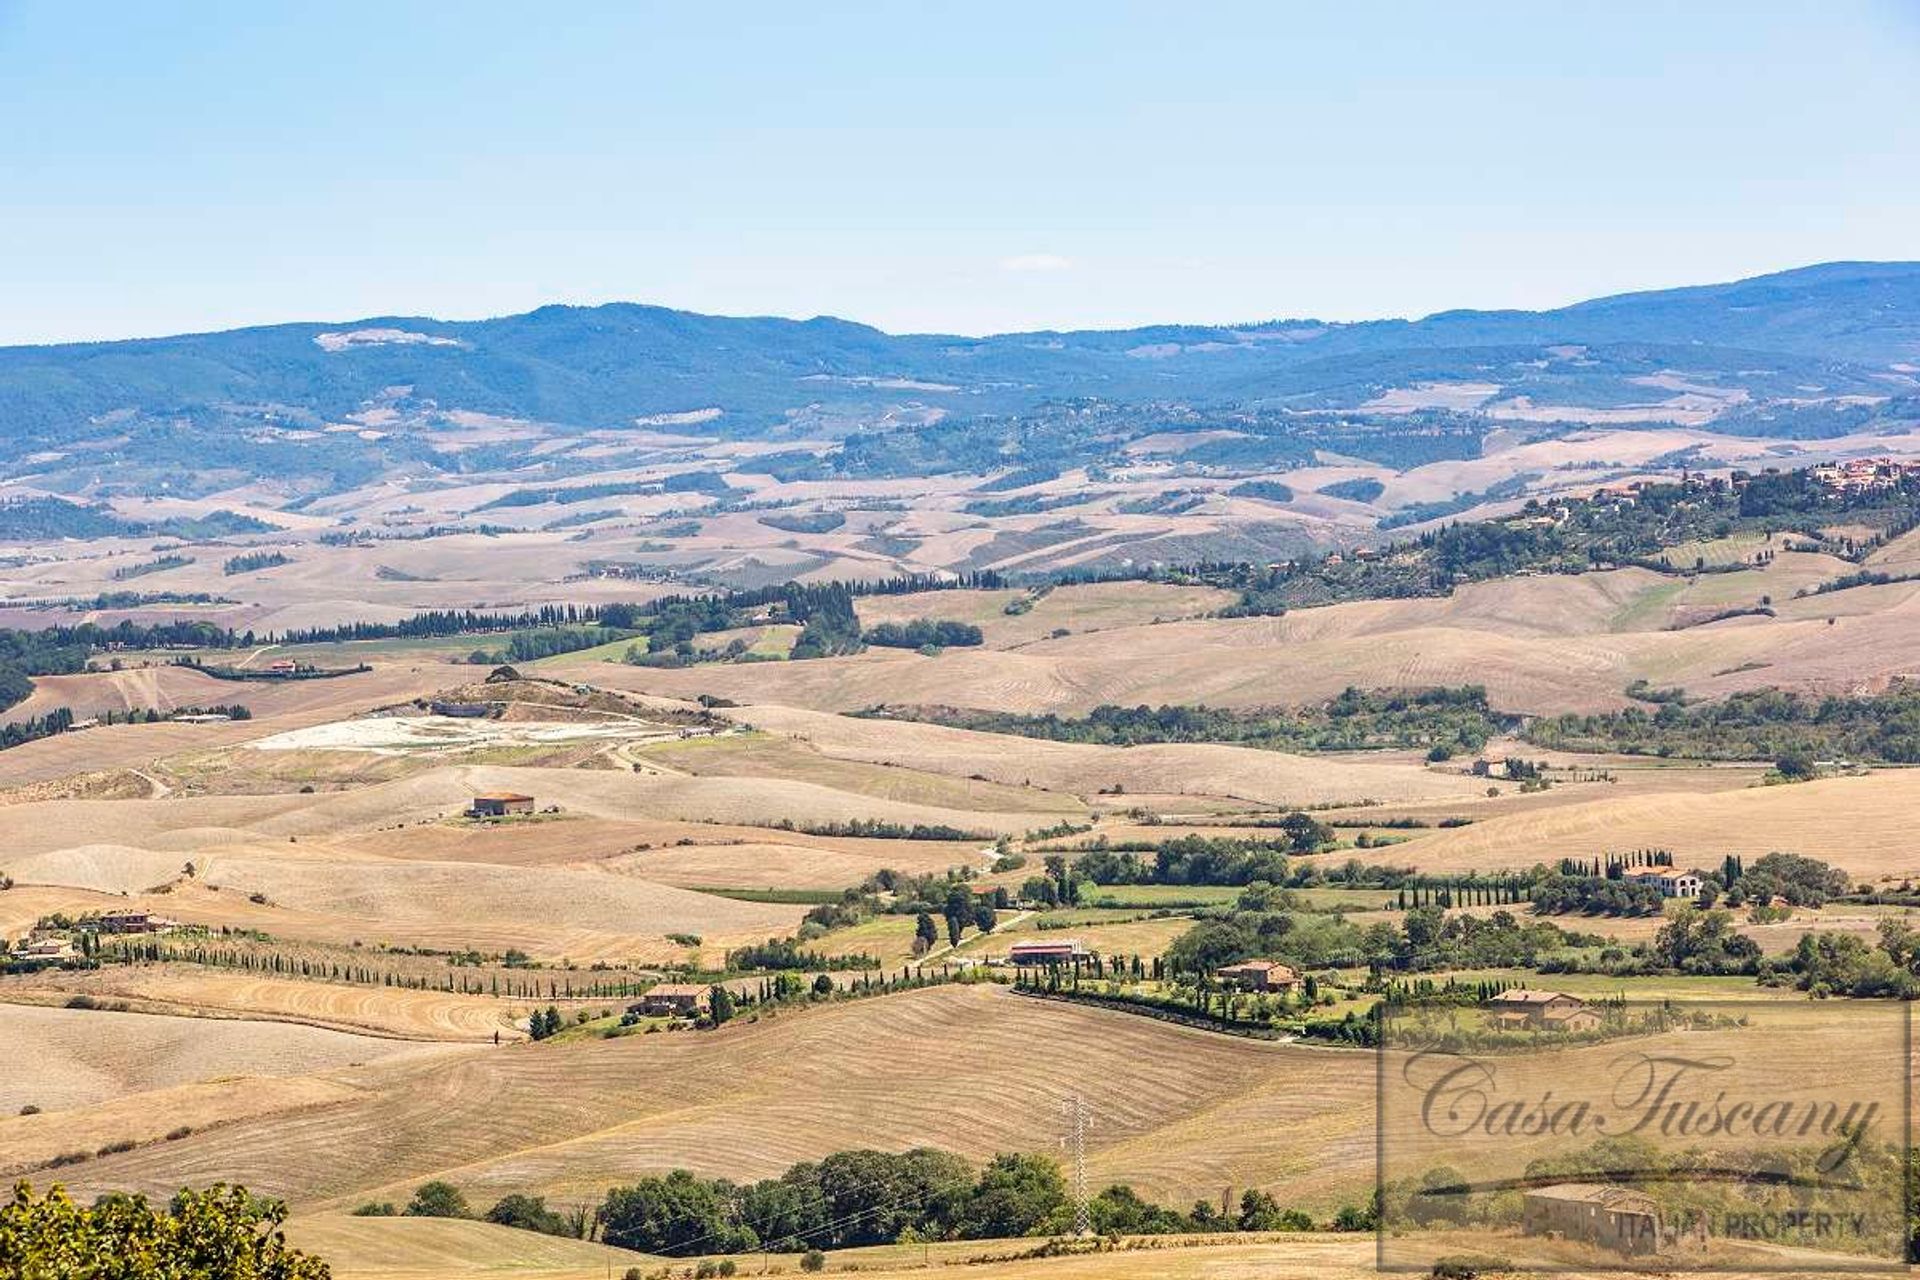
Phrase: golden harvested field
pixel 29 1142
pixel 1100 606
pixel 1181 1113
pixel 393 1012
pixel 792 758
pixel 1863 824
pixel 683 853
pixel 331 1094
pixel 547 912
pixel 1239 773
pixel 276 706
pixel 192 823
pixel 1541 644
pixel 440 1249
pixel 771 865
pixel 168 688
pixel 1902 555
pixel 65 1059
pixel 427 1248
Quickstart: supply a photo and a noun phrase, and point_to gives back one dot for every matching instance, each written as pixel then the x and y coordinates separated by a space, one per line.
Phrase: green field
pixel 788 897
pixel 1159 895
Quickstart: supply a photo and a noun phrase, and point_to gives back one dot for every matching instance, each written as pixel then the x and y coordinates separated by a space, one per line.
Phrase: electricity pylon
pixel 1076 1142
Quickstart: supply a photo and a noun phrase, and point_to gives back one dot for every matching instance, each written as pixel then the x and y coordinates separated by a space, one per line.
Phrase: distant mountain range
pixel 1808 352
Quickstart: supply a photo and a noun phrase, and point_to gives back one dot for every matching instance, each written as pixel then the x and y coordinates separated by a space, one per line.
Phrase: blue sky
pixel 958 168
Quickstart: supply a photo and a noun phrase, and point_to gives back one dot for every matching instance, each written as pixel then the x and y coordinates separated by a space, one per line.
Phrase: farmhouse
pixel 1542 1011
pixel 1619 1219
pixel 132 921
pixel 498 804
pixel 674 998
pixel 1670 883
pixel 43 949
pixel 1065 951
pixel 1259 975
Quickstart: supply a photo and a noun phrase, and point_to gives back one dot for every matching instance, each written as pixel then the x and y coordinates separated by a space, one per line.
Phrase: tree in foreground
pixel 221 1232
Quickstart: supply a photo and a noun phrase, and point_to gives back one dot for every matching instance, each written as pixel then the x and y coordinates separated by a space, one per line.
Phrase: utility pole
pixel 1076 1142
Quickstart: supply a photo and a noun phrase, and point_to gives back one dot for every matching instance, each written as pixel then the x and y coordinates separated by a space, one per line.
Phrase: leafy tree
pixel 925 932
pixel 675 1215
pixel 1696 941
pixel 1016 1194
pixel 873 1195
pixel 958 911
pixel 222 1233
pixel 823 985
pixel 1832 963
pixel 437 1199
pixel 719 1004
pixel 529 1213
pixel 1796 766
pixel 1119 1210
pixel 1802 881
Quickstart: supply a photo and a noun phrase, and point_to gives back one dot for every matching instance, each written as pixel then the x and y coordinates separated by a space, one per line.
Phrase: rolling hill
pixel 1807 352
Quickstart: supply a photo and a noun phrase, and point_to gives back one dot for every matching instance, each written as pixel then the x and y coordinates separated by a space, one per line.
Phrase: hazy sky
pixel 957 167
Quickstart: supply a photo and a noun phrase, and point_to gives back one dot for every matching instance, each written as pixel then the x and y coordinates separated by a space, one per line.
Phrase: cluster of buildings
pixel 1247 975
pixel 673 1000
pixel 1865 475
